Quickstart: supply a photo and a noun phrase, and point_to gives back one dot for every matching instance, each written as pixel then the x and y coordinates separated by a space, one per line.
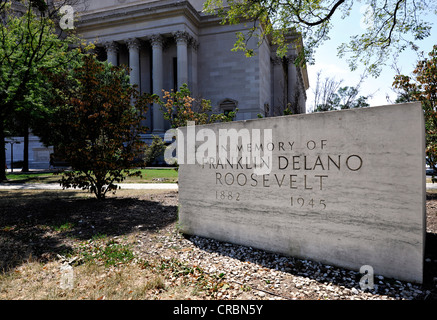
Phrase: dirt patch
pixel 42 224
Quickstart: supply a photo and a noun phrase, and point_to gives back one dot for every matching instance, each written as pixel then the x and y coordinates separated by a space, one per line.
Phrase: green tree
pixel 96 124
pixel 349 99
pixel 391 26
pixel 329 95
pixel 422 86
pixel 154 151
pixel 29 40
pixel 180 107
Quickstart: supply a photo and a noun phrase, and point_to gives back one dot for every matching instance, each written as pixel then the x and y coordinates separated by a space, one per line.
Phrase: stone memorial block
pixel 345 188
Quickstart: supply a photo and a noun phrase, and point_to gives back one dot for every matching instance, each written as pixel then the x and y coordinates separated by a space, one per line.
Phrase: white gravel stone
pixel 256 269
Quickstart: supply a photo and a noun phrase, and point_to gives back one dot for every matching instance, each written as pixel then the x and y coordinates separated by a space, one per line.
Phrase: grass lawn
pixel 151 175
pixel 111 246
pixel 164 175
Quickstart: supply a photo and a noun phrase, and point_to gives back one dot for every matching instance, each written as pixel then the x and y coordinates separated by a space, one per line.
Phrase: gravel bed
pixel 256 274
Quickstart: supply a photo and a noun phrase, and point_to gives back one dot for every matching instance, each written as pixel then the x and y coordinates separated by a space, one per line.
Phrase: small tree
pixel 423 87
pixel 154 151
pixel 179 107
pixel 96 125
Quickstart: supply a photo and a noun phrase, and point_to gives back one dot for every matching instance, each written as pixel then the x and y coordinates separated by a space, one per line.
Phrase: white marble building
pixel 167 43
pixel 39 155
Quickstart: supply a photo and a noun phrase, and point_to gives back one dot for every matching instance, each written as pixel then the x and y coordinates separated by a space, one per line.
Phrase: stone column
pixel 194 47
pixel 182 38
pixel 158 82
pixel 293 90
pixel 279 87
pixel 146 82
pixel 134 61
pixel 112 51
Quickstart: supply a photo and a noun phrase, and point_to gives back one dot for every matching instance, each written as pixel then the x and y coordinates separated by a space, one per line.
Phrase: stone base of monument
pixel 345 188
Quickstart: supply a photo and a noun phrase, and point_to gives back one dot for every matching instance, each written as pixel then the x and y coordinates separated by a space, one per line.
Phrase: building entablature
pixel 140 21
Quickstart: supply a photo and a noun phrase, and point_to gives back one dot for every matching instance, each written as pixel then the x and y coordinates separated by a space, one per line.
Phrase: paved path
pixel 55 186
pixel 138 186
pixel 431 186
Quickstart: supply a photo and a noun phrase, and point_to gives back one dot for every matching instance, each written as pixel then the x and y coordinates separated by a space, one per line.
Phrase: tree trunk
pixel 2 152
pixel 26 150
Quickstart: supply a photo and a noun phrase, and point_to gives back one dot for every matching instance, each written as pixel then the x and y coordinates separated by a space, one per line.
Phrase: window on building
pixel 228 105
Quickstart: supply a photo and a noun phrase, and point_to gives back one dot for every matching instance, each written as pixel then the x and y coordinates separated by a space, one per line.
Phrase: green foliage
pixel 288 110
pixel 422 86
pixel 110 253
pixel 96 124
pixel 67 226
pixel 329 95
pixel 154 150
pixel 179 107
pixel 344 98
pixel 114 254
pixel 391 26
pixel 28 42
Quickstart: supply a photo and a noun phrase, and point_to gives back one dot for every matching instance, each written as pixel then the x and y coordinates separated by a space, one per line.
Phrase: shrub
pixel 96 125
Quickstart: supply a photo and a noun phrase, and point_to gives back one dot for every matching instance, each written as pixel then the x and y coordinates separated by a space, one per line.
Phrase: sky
pixel 327 61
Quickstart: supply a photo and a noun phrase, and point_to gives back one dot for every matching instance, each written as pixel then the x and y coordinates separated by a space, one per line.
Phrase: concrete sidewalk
pixel 126 186
pixel 55 186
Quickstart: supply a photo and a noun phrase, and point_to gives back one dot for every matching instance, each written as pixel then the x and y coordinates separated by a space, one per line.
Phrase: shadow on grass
pixel 45 223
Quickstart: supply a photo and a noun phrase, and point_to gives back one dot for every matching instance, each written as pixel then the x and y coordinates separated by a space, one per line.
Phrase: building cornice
pixel 136 11
pixel 150 11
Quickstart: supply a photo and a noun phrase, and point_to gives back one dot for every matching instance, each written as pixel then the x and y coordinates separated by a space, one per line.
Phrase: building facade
pixel 167 43
pixel 39 155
